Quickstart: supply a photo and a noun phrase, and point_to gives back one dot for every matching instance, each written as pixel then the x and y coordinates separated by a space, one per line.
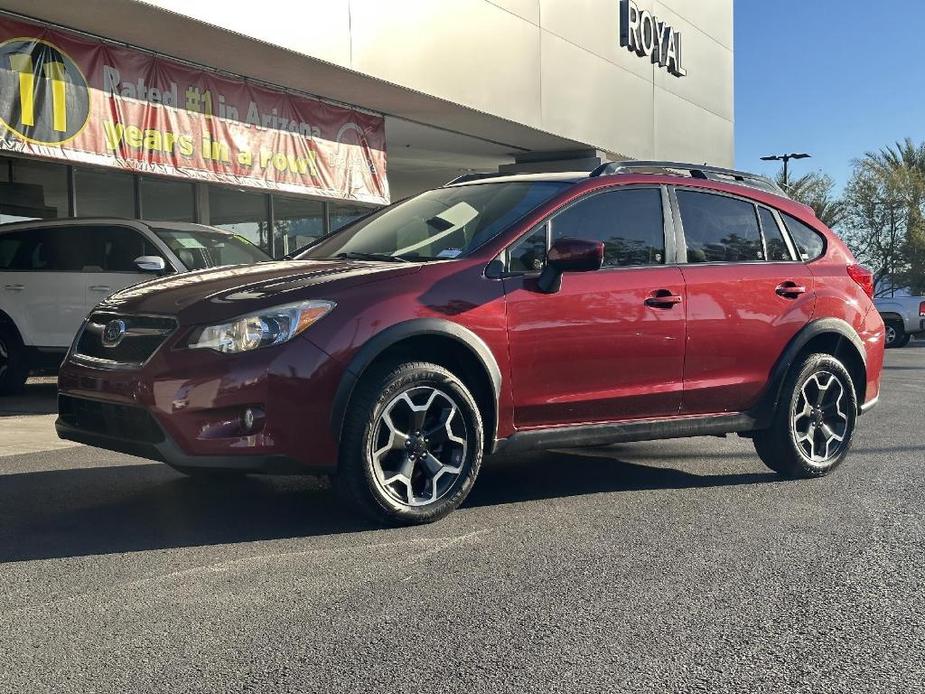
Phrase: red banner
pixel 64 96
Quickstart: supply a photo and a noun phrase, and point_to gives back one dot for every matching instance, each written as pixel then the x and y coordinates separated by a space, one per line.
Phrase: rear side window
pixel 719 229
pixel 809 242
pixel 629 222
pixel 39 250
pixel 11 250
pixel 773 236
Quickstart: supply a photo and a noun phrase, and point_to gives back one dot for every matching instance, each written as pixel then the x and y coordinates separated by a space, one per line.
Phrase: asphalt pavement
pixel 673 566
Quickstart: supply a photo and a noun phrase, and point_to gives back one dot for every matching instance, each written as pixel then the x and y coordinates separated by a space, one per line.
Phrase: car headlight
pixel 271 326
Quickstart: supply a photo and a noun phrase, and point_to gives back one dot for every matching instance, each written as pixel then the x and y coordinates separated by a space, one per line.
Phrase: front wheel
pixel 412 444
pixel 14 368
pixel 812 429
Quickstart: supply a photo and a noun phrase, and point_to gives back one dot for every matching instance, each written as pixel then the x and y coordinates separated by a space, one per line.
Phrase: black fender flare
pixel 823 326
pixel 380 342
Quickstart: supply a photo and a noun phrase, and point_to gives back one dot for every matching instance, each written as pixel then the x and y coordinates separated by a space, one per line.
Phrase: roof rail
pixel 705 172
pixel 473 176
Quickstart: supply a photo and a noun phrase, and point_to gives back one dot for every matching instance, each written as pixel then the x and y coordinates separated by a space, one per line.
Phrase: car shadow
pixel 40 396
pixel 126 508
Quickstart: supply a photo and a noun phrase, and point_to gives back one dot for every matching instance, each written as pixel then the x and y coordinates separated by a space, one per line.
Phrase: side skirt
pixel 588 435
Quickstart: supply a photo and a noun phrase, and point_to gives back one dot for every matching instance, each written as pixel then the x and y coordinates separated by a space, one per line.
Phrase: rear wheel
pixel 812 429
pixel 412 444
pixel 896 335
pixel 14 368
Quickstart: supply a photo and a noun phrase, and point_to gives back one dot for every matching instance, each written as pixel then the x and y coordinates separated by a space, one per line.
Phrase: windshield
pixel 438 224
pixel 201 249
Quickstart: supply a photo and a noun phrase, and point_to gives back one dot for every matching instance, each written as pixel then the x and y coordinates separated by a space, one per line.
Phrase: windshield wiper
pixel 356 255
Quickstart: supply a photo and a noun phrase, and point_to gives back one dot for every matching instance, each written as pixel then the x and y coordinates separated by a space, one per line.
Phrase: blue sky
pixel 834 78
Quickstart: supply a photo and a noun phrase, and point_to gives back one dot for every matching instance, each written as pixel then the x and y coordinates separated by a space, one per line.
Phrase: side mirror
pixel 569 255
pixel 150 263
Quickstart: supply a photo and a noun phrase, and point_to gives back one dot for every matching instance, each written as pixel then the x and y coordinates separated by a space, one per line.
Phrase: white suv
pixel 52 273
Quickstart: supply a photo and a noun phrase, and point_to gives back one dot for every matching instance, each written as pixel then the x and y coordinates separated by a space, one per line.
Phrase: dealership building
pixel 282 120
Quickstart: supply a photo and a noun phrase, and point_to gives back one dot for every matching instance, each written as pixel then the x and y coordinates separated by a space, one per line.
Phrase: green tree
pixel 817 190
pixel 885 207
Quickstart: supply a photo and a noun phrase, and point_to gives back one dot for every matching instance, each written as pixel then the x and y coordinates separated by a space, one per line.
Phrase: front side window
pixel 719 229
pixel 439 224
pixel 115 249
pixel 629 222
pixel 204 248
pixel 808 241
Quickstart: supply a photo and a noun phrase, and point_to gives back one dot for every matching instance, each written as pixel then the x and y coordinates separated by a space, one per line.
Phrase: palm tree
pixel 816 190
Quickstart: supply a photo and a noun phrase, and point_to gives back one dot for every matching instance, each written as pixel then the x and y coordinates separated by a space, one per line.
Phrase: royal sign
pixel 66 97
pixel 646 35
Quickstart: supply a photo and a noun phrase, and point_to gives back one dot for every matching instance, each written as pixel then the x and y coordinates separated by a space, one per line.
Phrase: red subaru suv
pixel 648 300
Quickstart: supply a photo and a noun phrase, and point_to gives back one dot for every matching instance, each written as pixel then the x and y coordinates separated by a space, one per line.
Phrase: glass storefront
pixel 102 193
pixel 167 201
pixel 344 213
pixel 31 189
pixel 297 222
pixel 243 212
pixel 279 224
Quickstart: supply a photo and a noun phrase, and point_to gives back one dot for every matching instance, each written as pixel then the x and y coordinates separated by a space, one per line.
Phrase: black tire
pixel 780 447
pixel 14 366
pixel 896 335
pixel 373 452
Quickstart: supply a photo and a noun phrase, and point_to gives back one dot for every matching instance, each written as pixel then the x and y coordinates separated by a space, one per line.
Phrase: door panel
pixel 741 310
pixel 47 307
pixel 41 285
pixel 737 327
pixel 595 351
pixel 112 266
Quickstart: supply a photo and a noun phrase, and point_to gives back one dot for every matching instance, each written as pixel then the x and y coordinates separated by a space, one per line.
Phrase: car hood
pixel 217 294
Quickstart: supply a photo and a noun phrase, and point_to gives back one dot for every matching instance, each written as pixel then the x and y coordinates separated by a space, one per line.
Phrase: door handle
pixel 663 298
pixel 14 287
pixel 790 290
pixel 100 288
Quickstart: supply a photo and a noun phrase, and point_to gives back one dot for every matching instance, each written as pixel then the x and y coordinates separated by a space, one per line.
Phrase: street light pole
pixel 786 159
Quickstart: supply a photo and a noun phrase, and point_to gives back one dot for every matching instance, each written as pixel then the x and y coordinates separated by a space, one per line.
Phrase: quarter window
pixel 629 222
pixel 719 229
pixel 528 254
pixel 773 237
pixel 808 241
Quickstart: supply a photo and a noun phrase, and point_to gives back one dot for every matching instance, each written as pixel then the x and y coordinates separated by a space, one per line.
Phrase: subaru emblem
pixel 113 333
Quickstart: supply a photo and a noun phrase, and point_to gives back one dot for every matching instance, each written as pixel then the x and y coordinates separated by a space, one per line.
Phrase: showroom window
pixel 167 201
pixel 242 212
pixel 31 189
pixel 103 193
pixel 297 222
pixel 344 213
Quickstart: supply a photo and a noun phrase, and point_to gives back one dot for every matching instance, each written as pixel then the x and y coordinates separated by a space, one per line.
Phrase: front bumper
pixel 151 441
pixel 185 408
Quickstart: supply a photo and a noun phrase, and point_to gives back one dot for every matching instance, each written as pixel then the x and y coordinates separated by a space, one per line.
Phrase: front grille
pixel 109 419
pixel 142 337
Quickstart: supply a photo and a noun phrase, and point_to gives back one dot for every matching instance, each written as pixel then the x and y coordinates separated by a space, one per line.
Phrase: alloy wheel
pixel 890 334
pixel 419 446
pixel 4 359
pixel 819 423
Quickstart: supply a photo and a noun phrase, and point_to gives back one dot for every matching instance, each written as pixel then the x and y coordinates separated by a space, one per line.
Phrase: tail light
pixel 865 279
pixel 922 309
